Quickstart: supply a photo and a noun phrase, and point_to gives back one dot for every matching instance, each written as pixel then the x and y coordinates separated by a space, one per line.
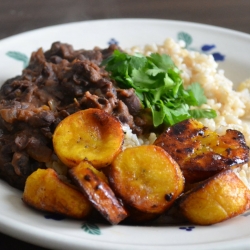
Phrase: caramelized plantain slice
pixel 146 178
pixel 216 199
pixel 46 192
pixel 201 152
pixel 90 134
pixel 93 184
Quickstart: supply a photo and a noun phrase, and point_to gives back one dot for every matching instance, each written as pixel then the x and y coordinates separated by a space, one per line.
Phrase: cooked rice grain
pixel 131 140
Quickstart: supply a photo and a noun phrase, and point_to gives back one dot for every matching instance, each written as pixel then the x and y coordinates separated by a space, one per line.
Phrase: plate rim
pixel 169 21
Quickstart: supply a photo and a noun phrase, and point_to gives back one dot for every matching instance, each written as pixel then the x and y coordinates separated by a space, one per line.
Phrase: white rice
pixel 131 140
pixel 243 173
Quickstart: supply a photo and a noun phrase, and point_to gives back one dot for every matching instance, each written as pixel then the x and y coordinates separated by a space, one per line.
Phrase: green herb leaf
pixel 196 92
pixel 202 113
pixel 159 86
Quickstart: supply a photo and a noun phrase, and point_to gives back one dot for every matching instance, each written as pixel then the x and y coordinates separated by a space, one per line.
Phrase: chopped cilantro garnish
pixel 159 86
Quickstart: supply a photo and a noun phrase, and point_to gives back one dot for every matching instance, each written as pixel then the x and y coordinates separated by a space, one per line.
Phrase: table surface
pixel 19 16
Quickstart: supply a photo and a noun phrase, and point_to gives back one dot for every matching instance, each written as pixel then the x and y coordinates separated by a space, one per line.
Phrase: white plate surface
pixel 24 223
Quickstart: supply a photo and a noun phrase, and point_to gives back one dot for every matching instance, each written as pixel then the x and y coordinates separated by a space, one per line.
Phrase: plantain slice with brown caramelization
pixel 216 199
pixel 91 134
pixel 146 178
pixel 45 191
pixel 201 152
pixel 94 185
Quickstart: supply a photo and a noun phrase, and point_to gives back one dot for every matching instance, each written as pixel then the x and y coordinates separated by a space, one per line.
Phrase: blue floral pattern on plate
pixel 19 57
pixel 91 228
pixel 187 38
pixel 206 48
pixel 113 41
pixel 95 229
pixel 187 228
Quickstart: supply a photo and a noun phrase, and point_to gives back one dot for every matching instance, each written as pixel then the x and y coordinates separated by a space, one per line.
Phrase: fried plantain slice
pixel 201 152
pixel 90 134
pixel 93 184
pixel 216 199
pixel 146 178
pixel 46 192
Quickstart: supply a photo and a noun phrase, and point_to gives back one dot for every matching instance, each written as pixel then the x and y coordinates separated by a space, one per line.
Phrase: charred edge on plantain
pixel 168 197
pixel 228 150
pixel 87 178
pixel 201 133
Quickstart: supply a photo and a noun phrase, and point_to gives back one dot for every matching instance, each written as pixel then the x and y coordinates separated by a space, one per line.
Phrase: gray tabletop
pixel 18 16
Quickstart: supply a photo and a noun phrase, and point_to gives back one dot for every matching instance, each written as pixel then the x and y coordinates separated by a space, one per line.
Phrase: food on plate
pixel 216 199
pixel 232 107
pixel 93 184
pixel 146 178
pixel 154 117
pixel 90 134
pixel 159 85
pixel 46 192
pixel 56 83
pixel 200 152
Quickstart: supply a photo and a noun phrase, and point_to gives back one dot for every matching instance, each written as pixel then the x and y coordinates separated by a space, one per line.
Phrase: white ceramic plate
pixel 230 48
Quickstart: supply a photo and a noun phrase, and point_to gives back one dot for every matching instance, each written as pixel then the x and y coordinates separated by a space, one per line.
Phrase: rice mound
pixel 131 139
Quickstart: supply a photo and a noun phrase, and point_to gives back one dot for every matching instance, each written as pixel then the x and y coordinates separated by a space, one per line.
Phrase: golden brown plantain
pixel 216 199
pixel 201 152
pixel 146 178
pixel 90 134
pixel 93 184
pixel 46 192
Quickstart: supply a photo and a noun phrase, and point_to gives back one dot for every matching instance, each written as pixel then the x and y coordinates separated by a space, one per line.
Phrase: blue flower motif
pixel 91 228
pixel 185 37
pixel 218 56
pixel 206 47
pixel 19 57
pixel 113 41
pixel 187 228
